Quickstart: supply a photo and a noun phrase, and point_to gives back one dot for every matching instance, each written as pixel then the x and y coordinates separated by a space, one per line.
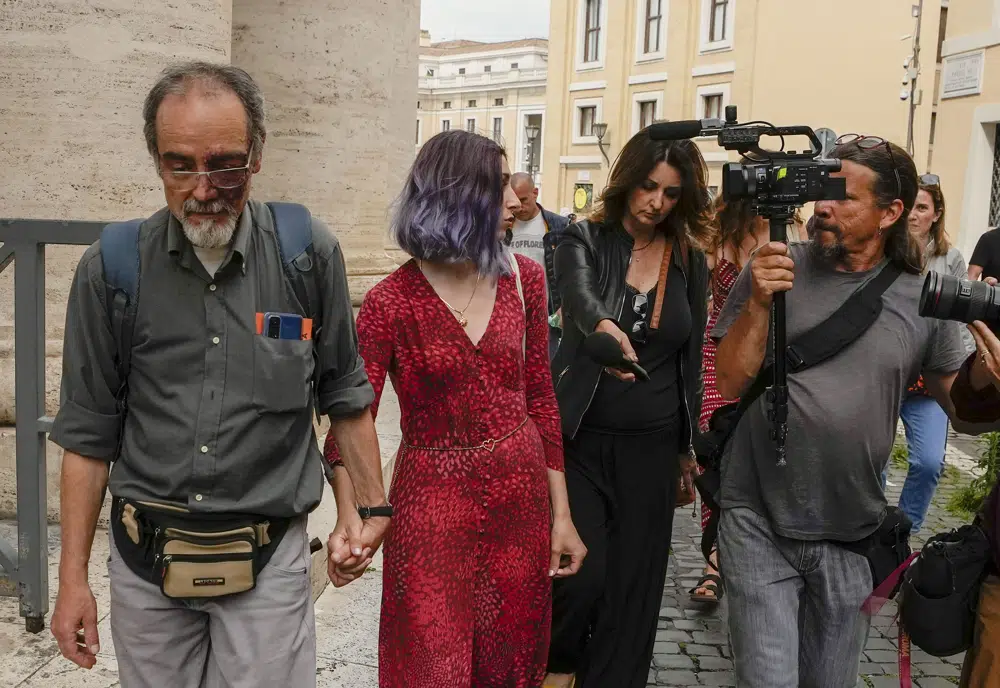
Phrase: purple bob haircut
pixel 450 208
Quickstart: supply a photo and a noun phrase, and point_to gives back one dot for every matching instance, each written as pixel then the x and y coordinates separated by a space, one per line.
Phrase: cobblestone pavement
pixel 691 646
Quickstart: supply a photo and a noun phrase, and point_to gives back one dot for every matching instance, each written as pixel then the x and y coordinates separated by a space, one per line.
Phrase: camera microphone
pixel 674 131
pixel 604 349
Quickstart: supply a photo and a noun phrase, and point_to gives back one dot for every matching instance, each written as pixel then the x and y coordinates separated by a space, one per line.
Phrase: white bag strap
pixel 520 295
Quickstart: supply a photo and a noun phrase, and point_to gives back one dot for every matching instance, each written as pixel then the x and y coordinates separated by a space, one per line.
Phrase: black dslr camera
pixel 776 183
pixel 946 297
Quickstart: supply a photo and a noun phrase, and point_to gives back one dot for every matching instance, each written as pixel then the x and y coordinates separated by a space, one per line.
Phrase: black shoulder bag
pixel 811 348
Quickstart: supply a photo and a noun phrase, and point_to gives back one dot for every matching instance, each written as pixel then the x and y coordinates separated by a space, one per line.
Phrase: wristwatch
pixel 366 512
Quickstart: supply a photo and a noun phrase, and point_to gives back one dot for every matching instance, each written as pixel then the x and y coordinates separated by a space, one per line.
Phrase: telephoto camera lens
pixel 946 297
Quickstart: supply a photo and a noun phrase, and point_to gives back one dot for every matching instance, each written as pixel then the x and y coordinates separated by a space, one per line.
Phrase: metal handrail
pixel 23 243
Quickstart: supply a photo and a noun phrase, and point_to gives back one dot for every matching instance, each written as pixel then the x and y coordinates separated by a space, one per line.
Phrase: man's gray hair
pixel 177 79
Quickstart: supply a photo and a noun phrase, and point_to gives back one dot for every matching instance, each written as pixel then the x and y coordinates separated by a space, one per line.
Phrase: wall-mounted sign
pixel 583 196
pixel 962 75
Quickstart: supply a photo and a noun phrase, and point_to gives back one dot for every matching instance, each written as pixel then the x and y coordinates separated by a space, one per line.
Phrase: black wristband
pixel 366 512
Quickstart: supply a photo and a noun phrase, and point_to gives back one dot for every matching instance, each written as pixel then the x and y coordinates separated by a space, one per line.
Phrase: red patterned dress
pixel 723 278
pixel 466 597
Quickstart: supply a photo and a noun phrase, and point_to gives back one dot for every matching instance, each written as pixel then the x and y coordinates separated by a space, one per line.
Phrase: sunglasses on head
pixel 869 142
pixel 930 180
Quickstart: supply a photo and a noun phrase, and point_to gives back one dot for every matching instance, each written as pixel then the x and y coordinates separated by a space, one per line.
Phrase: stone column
pixel 73 75
pixel 340 81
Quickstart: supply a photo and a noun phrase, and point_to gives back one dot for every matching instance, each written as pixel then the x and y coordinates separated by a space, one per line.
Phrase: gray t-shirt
pixel 842 414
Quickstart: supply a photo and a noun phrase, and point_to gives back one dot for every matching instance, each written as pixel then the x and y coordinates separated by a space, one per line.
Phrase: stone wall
pixel 73 75
pixel 340 78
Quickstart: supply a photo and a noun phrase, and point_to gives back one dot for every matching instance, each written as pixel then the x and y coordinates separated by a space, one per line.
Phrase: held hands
pixel 566 543
pixel 772 271
pixel 74 624
pixel 623 341
pixel 351 546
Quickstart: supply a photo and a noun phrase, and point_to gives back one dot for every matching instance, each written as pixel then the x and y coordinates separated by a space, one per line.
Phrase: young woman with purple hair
pixel 481 523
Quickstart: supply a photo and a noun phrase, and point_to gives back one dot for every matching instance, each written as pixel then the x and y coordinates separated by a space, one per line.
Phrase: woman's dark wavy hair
pixel 735 220
pixel 900 246
pixel 451 205
pixel 692 217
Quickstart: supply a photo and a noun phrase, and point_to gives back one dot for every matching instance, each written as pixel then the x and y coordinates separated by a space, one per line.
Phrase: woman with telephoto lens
pixel 925 422
pixel 634 272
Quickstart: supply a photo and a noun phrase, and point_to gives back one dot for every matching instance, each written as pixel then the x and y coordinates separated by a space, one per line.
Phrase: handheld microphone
pixel 674 131
pixel 604 349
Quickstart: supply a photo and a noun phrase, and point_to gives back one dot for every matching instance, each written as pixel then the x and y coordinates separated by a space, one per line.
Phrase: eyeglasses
pixel 870 142
pixel 640 305
pixel 229 178
pixel 930 180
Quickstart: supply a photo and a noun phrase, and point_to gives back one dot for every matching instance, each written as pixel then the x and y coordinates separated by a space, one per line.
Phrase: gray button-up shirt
pixel 219 418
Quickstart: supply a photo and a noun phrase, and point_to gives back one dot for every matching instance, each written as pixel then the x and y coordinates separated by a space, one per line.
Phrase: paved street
pixel 691 647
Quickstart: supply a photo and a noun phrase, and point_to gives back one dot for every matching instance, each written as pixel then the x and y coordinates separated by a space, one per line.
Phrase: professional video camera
pixel 946 297
pixel 776 183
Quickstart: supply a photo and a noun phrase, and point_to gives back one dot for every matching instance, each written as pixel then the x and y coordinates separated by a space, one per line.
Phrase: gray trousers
pixel 263 637
pixel 795 616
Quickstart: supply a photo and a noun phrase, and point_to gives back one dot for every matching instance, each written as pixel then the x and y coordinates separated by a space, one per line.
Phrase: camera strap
pixel 831 336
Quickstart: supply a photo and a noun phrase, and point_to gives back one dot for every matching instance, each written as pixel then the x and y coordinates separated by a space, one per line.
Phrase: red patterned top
pixel 723 278
pixel 466 597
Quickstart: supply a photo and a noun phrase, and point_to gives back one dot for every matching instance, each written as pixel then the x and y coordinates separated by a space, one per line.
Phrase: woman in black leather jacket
pixel 627 443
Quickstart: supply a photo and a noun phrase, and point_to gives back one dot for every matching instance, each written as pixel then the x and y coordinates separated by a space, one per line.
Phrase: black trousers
pixel 622 491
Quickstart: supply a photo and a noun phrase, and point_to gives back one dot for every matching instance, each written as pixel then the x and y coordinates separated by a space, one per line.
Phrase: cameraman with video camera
pixel 795 540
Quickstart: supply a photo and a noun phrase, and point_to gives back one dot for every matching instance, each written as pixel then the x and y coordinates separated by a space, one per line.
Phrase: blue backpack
pixel 120 257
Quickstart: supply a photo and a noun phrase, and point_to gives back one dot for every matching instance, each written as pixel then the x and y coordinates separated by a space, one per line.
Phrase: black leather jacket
pixel 591 262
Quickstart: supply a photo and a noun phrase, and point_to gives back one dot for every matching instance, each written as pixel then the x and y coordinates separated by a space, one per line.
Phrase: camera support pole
pixel 779 218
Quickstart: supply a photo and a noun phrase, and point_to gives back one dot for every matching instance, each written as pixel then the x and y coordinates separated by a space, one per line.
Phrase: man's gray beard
pixel 833 255
pixel 209 234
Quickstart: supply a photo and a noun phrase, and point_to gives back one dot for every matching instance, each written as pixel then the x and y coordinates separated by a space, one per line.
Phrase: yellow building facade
pixel 966 141
pixel 495 89
pixel 836 64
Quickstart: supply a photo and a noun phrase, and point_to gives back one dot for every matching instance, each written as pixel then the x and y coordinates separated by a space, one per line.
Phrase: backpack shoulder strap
pixel 520 295
pixel 120 259
pixel 293 227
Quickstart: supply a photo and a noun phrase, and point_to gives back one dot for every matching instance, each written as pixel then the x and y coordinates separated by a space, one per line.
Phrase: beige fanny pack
pixel 192 556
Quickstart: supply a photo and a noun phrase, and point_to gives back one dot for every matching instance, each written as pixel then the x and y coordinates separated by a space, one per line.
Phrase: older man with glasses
pixel 231 347
pixel 795 540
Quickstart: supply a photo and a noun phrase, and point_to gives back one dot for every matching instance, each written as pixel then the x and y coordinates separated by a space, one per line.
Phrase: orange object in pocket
pixel 260 323
pixel 307 328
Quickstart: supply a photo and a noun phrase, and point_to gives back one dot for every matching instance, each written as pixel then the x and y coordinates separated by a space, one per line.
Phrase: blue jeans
pixel 795 617
pixel 926 426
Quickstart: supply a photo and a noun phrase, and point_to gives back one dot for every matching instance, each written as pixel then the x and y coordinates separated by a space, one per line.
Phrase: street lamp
pixel 600 131
pixel 532 131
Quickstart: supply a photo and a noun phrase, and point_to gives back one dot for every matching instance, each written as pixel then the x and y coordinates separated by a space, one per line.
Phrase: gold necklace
pixel 462 320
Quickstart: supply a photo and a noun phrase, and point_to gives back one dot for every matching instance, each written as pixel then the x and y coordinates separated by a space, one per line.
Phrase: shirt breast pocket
pixel 282 374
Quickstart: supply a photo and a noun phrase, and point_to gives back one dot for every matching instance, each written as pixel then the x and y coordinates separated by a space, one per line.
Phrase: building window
pixel 588 115
pixel 461 70
pixel 717 20
pixel 497 128
pixel 654 23
pixel 418 104
pixel 513 65
pixel 418 132
pixel 430 72
pixel 712 106
pixel 472 103
pixel 445 125
pixel 487 69
pixel 592 32
pixel 995 186
pixel 647 113
pixel 498 102
pixel 446 105
pixel 933 127
pixel 470 124
pixel 711 101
